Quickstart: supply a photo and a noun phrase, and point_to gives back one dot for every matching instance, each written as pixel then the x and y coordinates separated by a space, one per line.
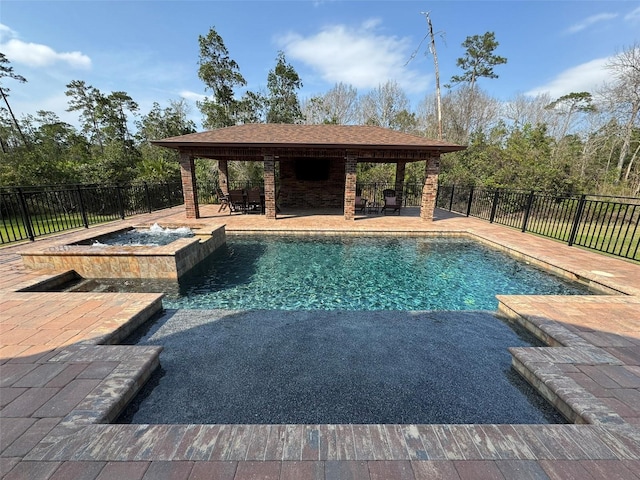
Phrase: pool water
pixel 342 330
pixel 357 273
pixel 310 367
pixel 154 236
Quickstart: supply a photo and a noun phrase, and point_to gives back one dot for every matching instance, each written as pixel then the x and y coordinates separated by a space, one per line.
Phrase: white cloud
pixel 592 20
pixel 357 56
pixel 36 54
pixel 5 31
pixel 633 16
pixel 188 95
pixel 581 78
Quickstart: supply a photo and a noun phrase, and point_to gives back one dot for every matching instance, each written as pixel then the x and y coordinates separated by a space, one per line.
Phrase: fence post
pixel 527 211
pixel 169 203
pixel 25 215
pixel 120 202
pixel 453 189
pixel 146 192
pixel 494 206
pixel 470 201
pixel 576 220
pixel 83 211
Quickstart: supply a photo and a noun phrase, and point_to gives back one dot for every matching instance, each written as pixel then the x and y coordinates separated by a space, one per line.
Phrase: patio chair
pixel 255 200
pixel 237 201
pixel 361 203
pixel 390 202
pixel 223 199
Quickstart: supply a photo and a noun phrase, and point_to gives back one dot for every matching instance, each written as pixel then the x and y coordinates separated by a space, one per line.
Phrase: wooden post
pixel 189 190
pixel 270 187
pixel 350 187
pixel 430 187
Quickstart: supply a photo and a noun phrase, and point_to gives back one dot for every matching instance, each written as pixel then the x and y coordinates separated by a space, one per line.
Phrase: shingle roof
pixel 319 136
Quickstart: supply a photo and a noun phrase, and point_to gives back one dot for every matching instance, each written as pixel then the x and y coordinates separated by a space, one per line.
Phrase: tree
pixel 87 100
pixel 162 123
pixel 112 112
pixel 157 163
pixel 252 108
pixel 6 71
pixel 478 60
pixel 570 104
pixel 382 105
pixel 121 157
pixel 105 119
pixel 283 81
pixel 221 76
pixel 567 148
pixel 466 112
pixel 339 106
pixel 56 155
pixel 624 95
pixel 522 110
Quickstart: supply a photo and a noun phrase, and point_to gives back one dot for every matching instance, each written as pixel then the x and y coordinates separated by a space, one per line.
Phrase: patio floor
pixel 63 378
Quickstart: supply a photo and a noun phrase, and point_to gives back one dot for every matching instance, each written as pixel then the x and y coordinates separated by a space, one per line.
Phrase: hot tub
pixel 94 257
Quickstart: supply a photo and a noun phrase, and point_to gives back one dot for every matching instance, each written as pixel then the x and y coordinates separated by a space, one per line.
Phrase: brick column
pixel 223 176
pixel 430 187
pixel 350 187
pixel 269 187
pixel 400 168
pixel 189 190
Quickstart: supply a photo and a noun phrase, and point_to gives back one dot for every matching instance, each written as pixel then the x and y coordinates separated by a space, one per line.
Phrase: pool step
pixel 90 285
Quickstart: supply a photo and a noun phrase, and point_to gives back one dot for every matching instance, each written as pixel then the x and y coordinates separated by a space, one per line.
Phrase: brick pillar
pixel 189 190
pixel 270 187
pixel 400 167
pixel 430 187
pixel 223 176
pixel 350 187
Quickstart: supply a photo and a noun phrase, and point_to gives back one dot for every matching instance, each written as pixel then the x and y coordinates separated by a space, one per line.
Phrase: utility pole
pixel 432 49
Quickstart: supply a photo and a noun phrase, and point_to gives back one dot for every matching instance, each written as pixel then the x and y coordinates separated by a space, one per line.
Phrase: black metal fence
pixel 30 212
pixel 603 223
pixel 411 193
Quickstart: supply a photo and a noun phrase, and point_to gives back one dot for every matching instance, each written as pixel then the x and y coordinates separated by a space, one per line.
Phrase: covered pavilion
pixel 317 158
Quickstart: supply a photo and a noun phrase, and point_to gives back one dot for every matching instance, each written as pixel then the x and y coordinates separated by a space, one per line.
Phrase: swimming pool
pixel 321 329
pixel 355 273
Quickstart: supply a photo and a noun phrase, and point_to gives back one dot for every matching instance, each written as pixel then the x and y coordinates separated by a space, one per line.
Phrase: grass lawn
pixel 616 240
pixel 13 229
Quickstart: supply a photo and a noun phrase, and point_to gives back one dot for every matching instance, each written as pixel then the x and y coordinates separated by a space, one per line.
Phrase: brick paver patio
pixel 63 378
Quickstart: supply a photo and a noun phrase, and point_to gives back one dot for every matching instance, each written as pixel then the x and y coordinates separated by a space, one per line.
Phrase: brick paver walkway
pixel 63 378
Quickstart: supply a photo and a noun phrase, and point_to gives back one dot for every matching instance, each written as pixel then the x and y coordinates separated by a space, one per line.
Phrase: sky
pixel 149 49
